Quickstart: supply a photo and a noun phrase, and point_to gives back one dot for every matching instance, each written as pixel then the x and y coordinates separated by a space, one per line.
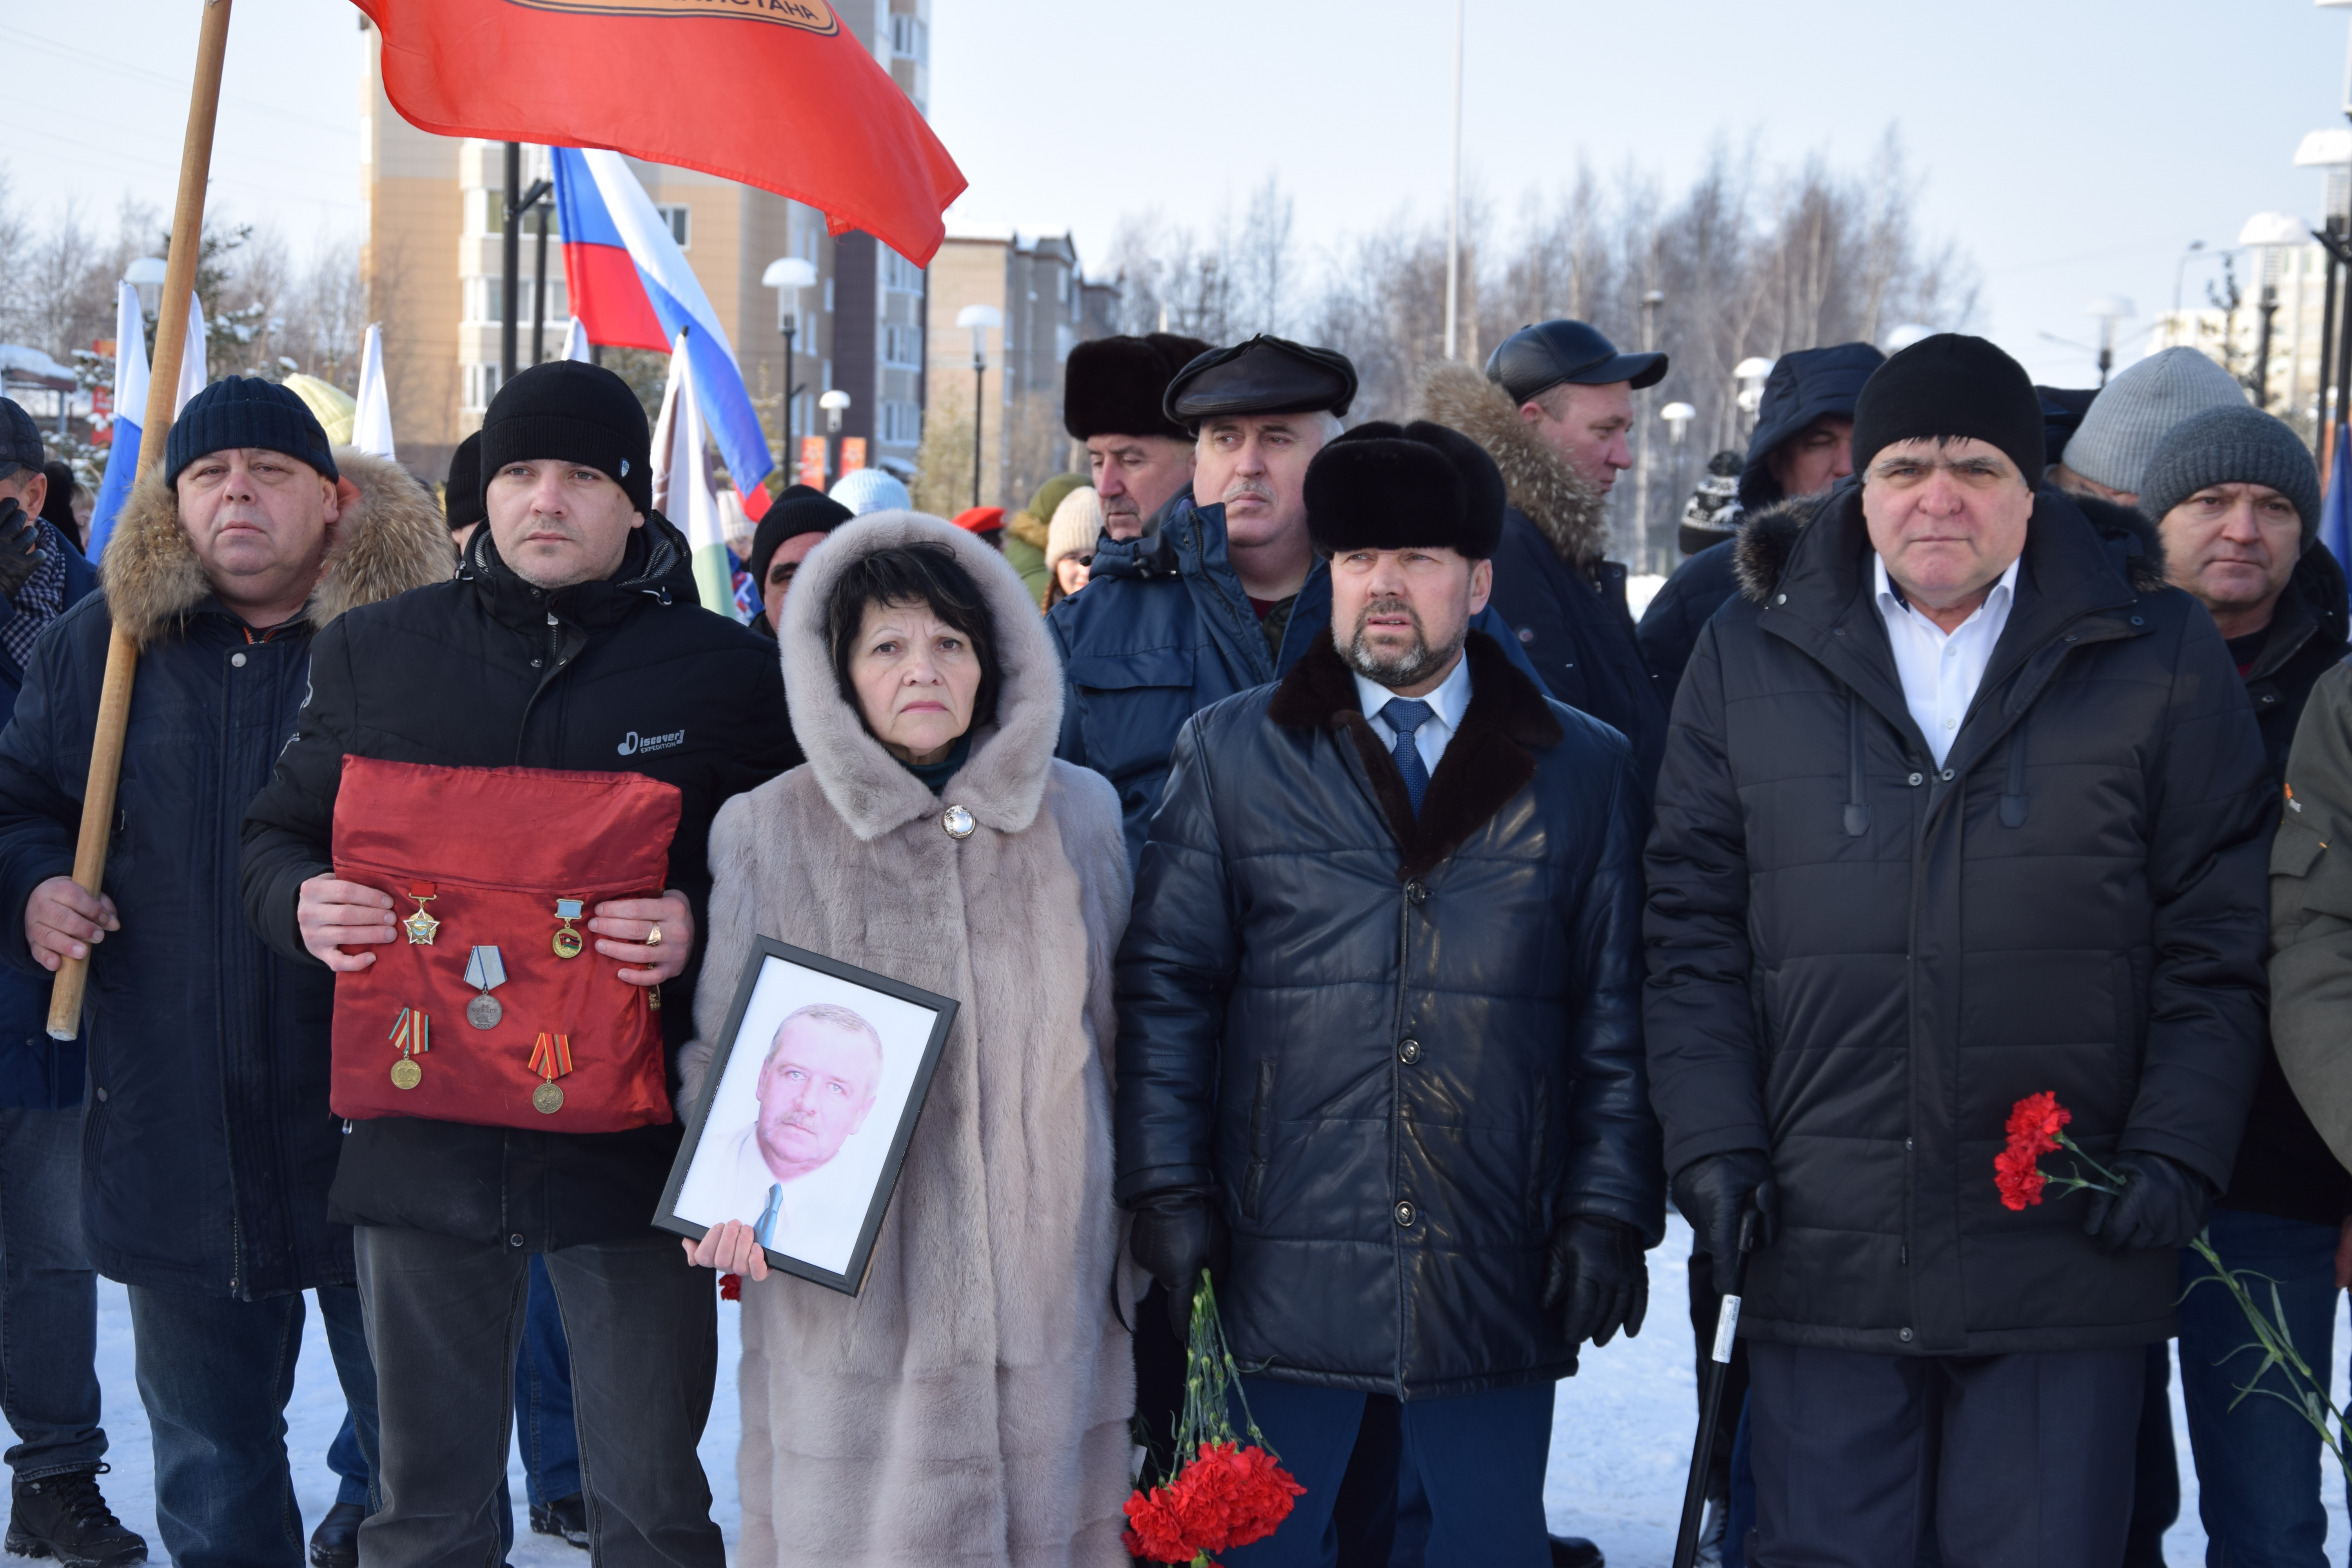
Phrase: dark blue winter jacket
pixel 1162 630
pixel 207 1143
pixel 38 1073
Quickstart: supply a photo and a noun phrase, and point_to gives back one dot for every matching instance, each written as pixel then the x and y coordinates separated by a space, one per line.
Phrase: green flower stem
pixel 2312 1397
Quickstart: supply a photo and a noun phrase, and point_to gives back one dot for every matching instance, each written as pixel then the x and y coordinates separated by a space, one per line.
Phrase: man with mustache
pixel 1380 1067
pixel 1224 591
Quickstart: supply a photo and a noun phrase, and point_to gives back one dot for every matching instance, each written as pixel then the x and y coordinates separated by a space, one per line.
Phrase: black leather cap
pixel 1534 360
pixel 1265 375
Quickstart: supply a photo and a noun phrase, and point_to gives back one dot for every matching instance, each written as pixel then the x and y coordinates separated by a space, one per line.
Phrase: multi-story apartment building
pixel 432 257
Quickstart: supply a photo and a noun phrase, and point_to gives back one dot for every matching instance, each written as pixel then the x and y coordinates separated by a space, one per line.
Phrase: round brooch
pixel 958 822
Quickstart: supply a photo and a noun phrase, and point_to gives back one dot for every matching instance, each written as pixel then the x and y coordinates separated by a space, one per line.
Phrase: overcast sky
pixel 2073 148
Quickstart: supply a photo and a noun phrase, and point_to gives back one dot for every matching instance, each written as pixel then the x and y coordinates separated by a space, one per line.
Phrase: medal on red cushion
pixel 421 926
pixel 486 971
pixel 412 1033
pixel 567 940
pixel 551 1059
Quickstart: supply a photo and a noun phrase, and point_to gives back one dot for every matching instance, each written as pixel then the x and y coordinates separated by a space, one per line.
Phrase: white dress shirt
pixel 1941 673
pixel 1447 704
pixel 821 1212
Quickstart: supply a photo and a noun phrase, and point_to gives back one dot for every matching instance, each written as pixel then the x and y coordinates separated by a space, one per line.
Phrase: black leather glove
pixel 1178 1233
pixel 20 538
pixel 2164 1203
pixel 1596 1271
pixel 1714 1192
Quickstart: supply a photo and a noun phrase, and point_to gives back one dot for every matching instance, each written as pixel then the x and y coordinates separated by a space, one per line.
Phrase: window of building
pixel 902 423
pixel 680 219
pixel 828 296
pixel 900 273
pixel 910 39
pixel 902 345
pixel 481 384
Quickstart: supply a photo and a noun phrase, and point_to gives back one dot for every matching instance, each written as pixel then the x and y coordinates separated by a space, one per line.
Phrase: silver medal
pixel 486 971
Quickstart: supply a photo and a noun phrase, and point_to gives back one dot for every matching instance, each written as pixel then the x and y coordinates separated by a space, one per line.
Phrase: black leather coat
pixel 489 671
pixel 1859 961
pixel 1400 1051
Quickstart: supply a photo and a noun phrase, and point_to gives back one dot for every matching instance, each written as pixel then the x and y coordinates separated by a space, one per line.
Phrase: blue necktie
pixel 763 1230
pixel 1405 715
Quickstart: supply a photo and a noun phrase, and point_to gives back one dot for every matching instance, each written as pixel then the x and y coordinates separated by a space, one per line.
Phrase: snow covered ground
pixel 1620 1436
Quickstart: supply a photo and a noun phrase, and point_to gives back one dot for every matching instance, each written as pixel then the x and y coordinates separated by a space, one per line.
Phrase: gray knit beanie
pixel 2129 420
pixel 2241 446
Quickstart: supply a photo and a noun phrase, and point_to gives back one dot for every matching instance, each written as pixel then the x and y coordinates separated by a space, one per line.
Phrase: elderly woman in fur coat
pixel 970 1406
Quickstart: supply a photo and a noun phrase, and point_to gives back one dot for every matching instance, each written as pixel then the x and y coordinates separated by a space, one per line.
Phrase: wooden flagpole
pixel 163 387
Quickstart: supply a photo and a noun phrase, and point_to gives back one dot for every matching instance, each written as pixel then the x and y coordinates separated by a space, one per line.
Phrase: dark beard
pixel 1410 667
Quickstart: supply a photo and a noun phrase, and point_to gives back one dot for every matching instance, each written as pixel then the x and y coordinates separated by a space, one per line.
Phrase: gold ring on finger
pixel 653 937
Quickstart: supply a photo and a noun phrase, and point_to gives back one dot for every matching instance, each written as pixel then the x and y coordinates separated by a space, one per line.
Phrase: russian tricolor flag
pixel 129 408
pixel 631 288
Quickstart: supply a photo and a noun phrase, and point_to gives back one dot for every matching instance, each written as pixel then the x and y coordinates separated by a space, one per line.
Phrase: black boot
pixel 64 1517
pixel 336 1542
pixel 565 1516
pixel 1575 1552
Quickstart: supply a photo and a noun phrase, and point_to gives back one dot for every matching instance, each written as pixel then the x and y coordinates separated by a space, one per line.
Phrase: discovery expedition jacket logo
pixel 809 16
pixel 636 746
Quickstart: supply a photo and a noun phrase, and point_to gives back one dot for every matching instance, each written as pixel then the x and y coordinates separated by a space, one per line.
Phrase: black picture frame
pixel 767 951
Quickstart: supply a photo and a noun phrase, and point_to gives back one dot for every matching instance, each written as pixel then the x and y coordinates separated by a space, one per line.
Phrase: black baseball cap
pixel 1534 360
pixel 20 439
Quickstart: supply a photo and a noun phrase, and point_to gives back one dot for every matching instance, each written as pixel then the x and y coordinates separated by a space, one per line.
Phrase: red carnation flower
pixel 2034 1132
pixel 1225 1496
pixel 730 1287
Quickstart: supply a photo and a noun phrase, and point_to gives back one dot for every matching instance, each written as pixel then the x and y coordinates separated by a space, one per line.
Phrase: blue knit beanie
pixel 246 410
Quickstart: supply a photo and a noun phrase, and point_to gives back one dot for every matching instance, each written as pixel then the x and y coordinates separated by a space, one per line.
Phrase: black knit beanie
pixel 461 498
pixel 573 413
pixel 1951 385
pixel 241 411
pixel 801 509
pixel 2240 446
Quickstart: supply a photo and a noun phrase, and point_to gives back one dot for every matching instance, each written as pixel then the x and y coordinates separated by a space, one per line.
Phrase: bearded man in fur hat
pixel 1554 410
pixel 207 1146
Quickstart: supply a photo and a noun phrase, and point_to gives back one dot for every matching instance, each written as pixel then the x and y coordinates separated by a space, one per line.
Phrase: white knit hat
pixel 2129 420
pixel 1076 526
pixel 871 489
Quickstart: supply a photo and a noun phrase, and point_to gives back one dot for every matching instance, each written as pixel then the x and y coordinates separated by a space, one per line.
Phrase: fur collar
pixel 391 538
pixel 1004 782
pixel 1487 761
pixel 1028 528
pixel 1555 497
pixel 1768 538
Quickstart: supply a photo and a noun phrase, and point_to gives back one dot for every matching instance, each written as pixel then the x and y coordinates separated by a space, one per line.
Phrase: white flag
pixel 192 358
pixel 372 425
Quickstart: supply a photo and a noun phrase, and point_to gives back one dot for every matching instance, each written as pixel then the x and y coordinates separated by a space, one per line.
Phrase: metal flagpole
pixel 1454 212
pixel 163 386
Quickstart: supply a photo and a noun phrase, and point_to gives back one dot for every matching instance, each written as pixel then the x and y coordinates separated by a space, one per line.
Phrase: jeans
pixel 2022 1460
pixel 215 1375
pixel 49 1298
pixel 542 1380
pixel 1479 1458
pixel 446 1319
pixel 2258 1486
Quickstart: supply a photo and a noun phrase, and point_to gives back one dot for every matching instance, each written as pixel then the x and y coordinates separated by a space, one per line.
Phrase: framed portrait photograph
pixel 804 1116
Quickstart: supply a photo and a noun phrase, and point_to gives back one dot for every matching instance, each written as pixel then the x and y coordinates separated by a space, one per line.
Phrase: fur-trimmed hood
pixel 1538 481
pixel 391 538
pixel 1005 781
pixel 1028 528
pixel 1487 761
pixel 1768 538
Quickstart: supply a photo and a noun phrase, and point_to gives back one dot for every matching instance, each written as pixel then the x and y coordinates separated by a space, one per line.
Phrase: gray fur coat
pixel 971 1405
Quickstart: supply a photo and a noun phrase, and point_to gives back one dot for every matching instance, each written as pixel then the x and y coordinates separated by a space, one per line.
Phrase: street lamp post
pixel 518 202
pixel 1749 374
pixel 833 403
pixel 979 319
pixel 2108 310
pixel 1641 540
pixel 788 275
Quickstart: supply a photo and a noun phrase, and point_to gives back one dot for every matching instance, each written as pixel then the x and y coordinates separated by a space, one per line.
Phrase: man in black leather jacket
pixel 1378 1043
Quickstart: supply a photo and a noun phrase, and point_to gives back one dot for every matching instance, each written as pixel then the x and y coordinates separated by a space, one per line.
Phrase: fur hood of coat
pixel 1535 480
pixel 1768 538
pixel 1004 782
pixel 390 538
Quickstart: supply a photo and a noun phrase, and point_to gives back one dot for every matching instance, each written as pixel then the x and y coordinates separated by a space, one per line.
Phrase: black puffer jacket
pixel 207 1144
pixel 489 671
pixel 1400 1051
pixel 1860 961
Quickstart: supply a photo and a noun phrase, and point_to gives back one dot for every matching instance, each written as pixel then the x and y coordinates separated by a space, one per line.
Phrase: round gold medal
pixel 567 945
pixel 406 1074
pixel 547 1099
